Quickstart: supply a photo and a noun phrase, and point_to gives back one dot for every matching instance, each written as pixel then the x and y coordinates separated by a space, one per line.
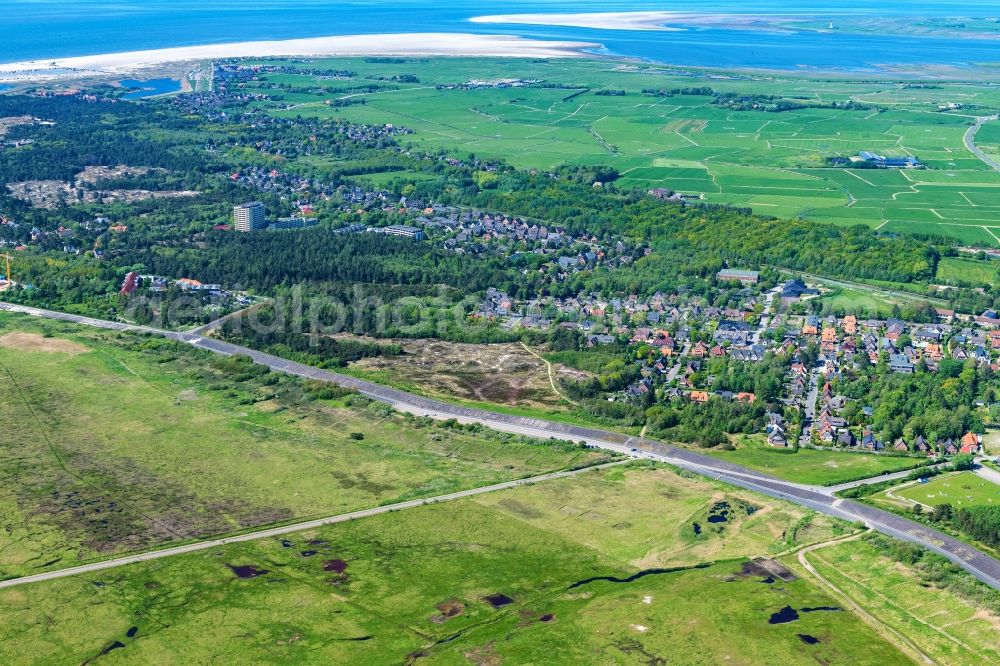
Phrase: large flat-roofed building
pixel 293 223
pixel 249 217
pixel 732 274
pixel 398 230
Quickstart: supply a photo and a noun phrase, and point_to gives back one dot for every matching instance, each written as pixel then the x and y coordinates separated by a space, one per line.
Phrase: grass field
pixel 942 624
pixel 118 444
pixel 773 162
pixel 962 489
pixel 851 300
pixel 825 468
pixel 957 270
pixel 411 586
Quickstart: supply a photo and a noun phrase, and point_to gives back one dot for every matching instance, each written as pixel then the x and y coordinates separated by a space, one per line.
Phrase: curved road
pixel 980 565
pixel 970 142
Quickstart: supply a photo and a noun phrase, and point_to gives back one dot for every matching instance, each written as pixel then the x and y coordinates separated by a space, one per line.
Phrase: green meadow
pixel 956 270
pixel 509 578
pixel 115 444
pixel 959 490
pixel 946 626
pixel 774 162
pixel 814 466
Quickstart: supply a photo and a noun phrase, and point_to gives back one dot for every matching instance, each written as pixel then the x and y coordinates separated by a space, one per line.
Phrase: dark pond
pixel 789 614
pixel 247 571
pixel 785 615
pixel 807 639
pixel 719 513
pixel 337 566
pixel 285 543
pixel 697 528
pixel 635 576
pixel 548 617
pixel 498 600
pixel 114 646
pixel 132 632
pixel 308 553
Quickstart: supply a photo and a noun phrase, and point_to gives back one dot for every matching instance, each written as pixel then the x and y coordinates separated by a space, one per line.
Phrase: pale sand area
pixel 412 44
pixel 652 20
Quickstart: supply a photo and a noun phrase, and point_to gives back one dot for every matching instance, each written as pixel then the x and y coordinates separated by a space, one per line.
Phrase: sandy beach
pixel 651 20
pixel 413 44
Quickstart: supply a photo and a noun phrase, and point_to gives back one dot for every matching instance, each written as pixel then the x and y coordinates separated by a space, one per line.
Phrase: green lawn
pixel 962 489
pixel 113 444
pixel 390 588
pixel 824 468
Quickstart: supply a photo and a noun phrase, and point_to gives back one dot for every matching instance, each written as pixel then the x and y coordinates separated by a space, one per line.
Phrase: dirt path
pixel 899 640
pixel 552 379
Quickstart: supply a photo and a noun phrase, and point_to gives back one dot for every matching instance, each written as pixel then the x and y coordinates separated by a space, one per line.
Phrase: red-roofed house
pixel 130 284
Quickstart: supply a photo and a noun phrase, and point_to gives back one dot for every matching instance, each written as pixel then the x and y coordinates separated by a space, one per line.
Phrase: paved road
pixel 830 490
pixel 980 565
pixel 970 143
pixel 765 318
pixel 289 529
pixel 809 409
pixel 988 473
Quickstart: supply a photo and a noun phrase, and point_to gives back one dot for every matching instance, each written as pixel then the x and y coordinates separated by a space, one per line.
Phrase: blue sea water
pixel 149 88
pixel 41 29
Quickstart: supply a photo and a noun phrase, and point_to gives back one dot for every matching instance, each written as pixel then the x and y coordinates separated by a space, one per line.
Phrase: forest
pixel 937 405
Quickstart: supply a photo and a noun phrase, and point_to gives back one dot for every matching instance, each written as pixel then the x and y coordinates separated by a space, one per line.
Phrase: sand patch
pixel 33 342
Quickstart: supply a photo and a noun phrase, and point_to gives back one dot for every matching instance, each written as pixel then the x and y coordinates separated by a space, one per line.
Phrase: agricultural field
pixel 962 489
pixel 988 139
pixel 203 446
pixel 774 162
pixel 824 468
pixel 457 582
pixel 945 626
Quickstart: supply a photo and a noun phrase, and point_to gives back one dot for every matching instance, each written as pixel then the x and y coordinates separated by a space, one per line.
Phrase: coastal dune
pixel 411 44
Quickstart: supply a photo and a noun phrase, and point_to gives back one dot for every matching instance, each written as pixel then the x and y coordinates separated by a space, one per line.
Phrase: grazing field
pixel 114 444
pixel 944 625
pixel 449 583
pixel 824 468
pixel 962 489
pixel 686 140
